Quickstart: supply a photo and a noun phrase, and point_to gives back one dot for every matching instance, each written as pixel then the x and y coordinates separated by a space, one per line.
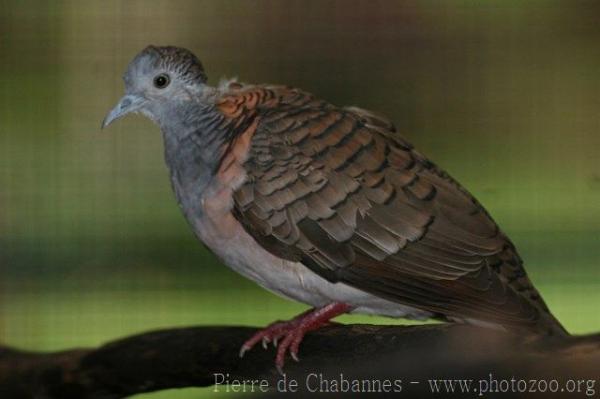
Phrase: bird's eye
pixel 161 81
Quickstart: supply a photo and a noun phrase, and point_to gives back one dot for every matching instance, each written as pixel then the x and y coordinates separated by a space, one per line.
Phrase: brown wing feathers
pixel 340 191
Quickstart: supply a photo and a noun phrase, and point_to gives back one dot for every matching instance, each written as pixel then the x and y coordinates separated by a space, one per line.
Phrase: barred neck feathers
pixel 205 149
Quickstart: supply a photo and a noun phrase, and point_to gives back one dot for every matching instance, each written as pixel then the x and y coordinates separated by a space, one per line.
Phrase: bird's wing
pixel 340 191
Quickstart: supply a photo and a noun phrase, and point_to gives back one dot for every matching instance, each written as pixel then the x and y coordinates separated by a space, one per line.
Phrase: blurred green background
pixel 503 94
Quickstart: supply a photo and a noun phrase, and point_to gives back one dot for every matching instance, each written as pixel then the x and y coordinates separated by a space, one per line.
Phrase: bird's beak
pixel 129 103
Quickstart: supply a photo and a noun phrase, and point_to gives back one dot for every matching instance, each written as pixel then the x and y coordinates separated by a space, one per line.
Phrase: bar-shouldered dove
pixel 326 205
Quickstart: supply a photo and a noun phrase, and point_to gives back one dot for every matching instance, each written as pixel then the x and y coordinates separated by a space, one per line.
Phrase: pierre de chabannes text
pixel 312 382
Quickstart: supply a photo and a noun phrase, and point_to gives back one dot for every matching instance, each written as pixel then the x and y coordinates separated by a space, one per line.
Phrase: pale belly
pixel 238 250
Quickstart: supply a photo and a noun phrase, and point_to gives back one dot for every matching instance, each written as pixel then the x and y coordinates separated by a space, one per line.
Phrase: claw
pixel 243 350
pixel 291 333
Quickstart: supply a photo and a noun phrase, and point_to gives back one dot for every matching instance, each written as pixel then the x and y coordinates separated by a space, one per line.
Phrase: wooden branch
pixel 200 356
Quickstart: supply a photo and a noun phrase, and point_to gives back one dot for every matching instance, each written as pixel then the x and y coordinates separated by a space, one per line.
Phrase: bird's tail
pixel 550 326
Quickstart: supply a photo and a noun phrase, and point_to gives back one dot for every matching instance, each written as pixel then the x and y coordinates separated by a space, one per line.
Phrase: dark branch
pixel 192 356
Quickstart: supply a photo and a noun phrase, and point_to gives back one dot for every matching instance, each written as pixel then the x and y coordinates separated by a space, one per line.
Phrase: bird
pixel 326 205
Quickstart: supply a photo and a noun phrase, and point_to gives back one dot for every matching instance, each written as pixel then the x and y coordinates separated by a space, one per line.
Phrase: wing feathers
pixel 338 190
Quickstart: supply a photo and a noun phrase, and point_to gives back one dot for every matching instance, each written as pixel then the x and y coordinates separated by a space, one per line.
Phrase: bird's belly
pixel 238 250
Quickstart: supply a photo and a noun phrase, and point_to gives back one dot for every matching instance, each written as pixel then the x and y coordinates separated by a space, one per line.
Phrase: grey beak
pixel 129 103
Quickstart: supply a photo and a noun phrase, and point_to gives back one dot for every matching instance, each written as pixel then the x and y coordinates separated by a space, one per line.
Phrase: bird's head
pixel 155 78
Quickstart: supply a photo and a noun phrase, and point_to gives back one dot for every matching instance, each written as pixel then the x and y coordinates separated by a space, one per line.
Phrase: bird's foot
pixel 292 332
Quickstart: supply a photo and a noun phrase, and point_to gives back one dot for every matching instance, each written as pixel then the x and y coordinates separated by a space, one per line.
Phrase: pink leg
pixel 293 331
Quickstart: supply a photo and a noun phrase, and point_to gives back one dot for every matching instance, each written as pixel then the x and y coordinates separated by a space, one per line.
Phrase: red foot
pixel 293 331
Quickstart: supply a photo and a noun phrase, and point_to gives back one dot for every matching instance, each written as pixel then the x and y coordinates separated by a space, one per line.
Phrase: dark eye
pixel 161 81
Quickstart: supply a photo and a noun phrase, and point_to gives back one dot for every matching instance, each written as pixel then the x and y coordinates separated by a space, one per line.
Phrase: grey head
pixel 157 81
pixel 168 85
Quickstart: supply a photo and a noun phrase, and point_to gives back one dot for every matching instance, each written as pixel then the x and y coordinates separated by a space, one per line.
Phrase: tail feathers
pixel 547 325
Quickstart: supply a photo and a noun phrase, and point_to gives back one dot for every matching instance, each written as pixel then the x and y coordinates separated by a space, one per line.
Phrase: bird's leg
pixel 293 331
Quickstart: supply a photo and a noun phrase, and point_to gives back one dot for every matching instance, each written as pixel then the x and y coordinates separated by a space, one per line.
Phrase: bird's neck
pixel 193 148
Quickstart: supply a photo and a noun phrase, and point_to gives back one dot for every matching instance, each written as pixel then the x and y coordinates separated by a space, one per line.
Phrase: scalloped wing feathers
pixel 340 191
